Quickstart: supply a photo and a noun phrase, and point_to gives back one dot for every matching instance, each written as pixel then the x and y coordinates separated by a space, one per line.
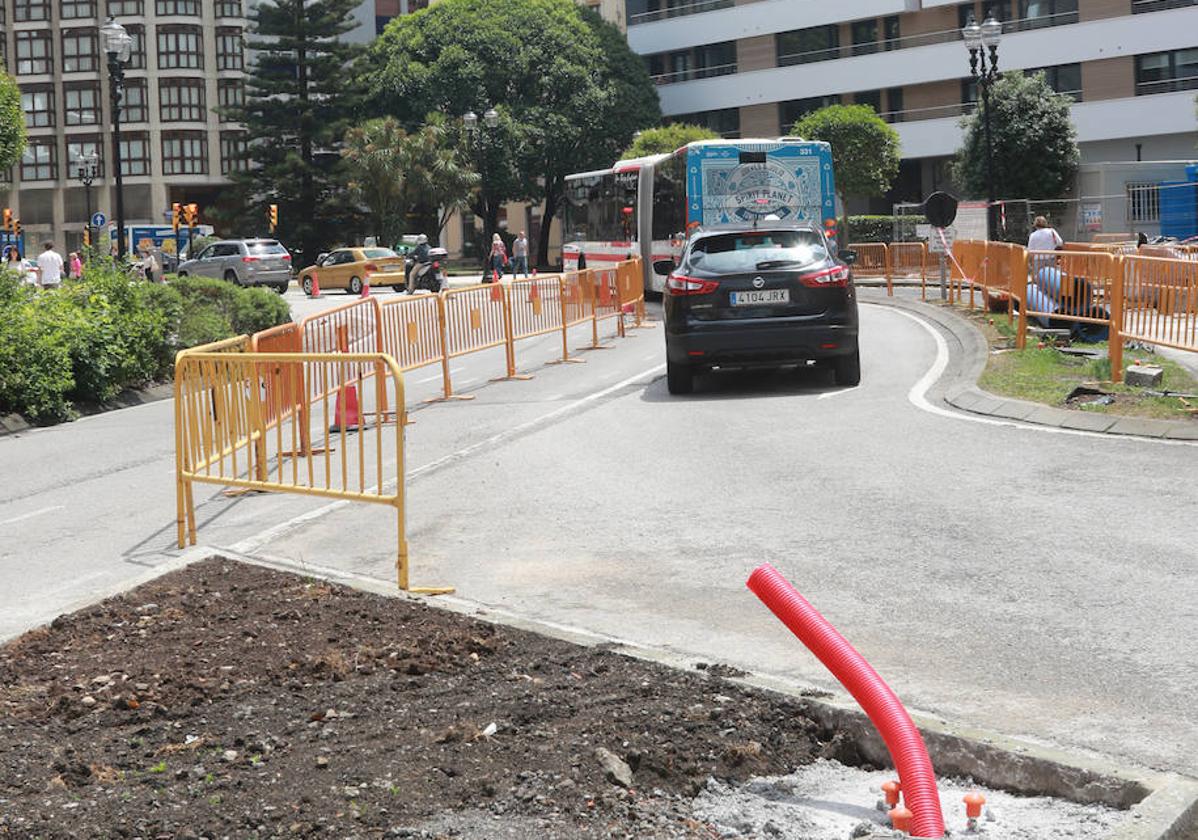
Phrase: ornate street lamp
pixel 983 68
pixel 475 139
pixel 119 46
pixel 86 168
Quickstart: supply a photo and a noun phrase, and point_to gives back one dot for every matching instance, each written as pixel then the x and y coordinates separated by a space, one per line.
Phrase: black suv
pixel 760 297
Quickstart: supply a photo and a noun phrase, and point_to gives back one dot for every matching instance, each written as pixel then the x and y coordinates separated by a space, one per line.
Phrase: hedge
pixel 881 228
pixel 90 339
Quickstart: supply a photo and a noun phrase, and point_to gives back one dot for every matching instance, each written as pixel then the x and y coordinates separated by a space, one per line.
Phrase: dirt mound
pixel 228 699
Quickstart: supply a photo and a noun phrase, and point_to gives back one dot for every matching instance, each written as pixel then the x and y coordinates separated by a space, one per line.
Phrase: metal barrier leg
pixel 566 357
pixel 509 342
pixel 446 381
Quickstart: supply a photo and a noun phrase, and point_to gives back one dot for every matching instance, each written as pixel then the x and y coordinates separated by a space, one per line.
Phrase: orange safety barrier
pixel 605 302
pixel 872 261
pixel 631 283
pixel 1077 286
pixel 413 332
pixel 1160 301
pixel 476 319
pixel 908 259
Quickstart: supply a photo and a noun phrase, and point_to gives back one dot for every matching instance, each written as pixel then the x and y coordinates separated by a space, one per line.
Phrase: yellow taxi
pixel 349 268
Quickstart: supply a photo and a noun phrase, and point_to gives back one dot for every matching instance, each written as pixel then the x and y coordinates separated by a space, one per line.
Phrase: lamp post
pixel 474 138
pixel 980 39
pixel 119 46
pixel 86 168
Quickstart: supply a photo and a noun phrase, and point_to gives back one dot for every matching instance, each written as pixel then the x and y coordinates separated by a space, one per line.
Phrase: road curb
pixel 958 387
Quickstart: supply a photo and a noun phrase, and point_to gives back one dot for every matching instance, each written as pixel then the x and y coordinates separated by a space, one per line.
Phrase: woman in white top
pixel 1043 238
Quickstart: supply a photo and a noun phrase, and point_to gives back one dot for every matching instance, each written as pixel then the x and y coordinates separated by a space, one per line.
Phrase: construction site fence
pixel 1135 296
pixel 893 261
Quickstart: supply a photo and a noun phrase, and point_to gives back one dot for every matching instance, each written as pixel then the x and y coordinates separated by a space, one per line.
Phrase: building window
pixel 228 8
pixel 872 98
pixel 135 154
pixel 190 8
pixel 791 112
pixel 125 8
pixel 181 100
pixel 800 46
pixel 72 9
pixel 1143 202
pixel 232 95
pixel 698 63
pixel 1063 78
pixel 228 49
pixel 31 10
pixel 185 153
pixel 644 11
pixel 80 51
pixel 180 47
pixel 1139 7
pixel 233 148
pixel 725 122
pixel 1036 14
pixel 894 105
pixel 890 32
pixel 133 105
pixel 38 105
pixel 137 55
pixel 1165 71
pixel 965 13
pixel 81 104
pixel 865 37
pixel 38 161
pixel 80 147
pixel 34 53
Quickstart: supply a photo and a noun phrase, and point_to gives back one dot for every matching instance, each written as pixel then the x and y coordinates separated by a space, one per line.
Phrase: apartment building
pixel 752 67
pixel 188 58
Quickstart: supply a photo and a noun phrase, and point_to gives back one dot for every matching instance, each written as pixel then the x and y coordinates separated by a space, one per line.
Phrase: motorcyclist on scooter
pixel 420 261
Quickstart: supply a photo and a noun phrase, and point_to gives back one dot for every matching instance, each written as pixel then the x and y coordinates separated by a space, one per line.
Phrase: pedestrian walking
pixel 520 255
pixel 50 265
pixel 149 265
pixel 74 266
pixel 497 259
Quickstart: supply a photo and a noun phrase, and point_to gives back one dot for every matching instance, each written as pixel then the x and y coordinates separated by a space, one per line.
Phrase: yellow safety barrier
pixel 477 319
pixel 227 432
pixel 412 330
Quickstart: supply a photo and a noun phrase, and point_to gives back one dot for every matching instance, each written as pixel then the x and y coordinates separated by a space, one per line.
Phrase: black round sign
pixel 940 209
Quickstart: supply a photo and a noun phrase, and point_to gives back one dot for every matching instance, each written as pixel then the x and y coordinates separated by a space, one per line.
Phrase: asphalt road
pixel 1031 583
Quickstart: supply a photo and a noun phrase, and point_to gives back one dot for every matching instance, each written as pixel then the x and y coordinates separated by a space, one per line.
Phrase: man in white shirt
pixel 49 263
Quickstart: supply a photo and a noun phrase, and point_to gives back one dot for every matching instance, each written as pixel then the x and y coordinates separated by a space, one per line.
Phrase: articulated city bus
pixel 646 206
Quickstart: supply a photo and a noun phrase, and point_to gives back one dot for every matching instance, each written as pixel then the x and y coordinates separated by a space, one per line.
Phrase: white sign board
pixel 971 220
pixel 941 240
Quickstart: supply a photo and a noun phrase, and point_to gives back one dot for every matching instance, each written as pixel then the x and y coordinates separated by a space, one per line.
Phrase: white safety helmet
pixel 421 239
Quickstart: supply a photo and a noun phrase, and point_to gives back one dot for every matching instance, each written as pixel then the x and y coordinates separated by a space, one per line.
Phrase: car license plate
pixel 759 296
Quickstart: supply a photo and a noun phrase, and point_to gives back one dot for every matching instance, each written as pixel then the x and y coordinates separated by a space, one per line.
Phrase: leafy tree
pixel 865 150
pixel 667 138
pixel 568 90
pixel 437 178
pixel 298 103
pixel 374 162
pixel 12 122
pixel 1035 143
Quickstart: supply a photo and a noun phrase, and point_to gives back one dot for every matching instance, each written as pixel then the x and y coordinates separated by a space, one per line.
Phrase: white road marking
pixel 467 381
pixel 32 514
pixel 427 378
pixel 250 545
pixel 650 357
pixel 918 397
pixel 830 394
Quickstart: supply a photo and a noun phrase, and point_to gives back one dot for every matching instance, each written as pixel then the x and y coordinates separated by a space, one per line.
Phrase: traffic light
pixel 274 217
pixel 176 207
pixel 8 220
pixel 193 214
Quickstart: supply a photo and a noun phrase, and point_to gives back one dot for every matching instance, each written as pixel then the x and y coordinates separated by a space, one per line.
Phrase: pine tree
pixel 297 106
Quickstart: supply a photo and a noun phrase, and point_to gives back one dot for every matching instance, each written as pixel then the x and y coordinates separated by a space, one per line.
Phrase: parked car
pixel 247 262
pixel 760 297
pixel 348 268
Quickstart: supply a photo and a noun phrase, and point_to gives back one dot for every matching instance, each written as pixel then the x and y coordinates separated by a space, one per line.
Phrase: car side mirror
pixel 663 266
pixel 847 256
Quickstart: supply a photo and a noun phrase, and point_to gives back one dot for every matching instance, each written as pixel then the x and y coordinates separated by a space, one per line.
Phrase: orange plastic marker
pixel 900 818
pixel 891 789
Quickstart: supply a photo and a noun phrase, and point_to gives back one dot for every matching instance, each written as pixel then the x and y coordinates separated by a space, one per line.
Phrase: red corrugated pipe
pixel 903 740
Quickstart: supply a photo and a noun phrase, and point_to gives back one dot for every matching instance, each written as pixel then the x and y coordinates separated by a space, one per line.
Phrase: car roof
pixel 713 230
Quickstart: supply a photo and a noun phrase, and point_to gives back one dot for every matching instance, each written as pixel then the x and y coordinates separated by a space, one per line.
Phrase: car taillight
pixel 680 284
pixel 370 267
pixel 249 259
pixel 837 275
pixel 286 258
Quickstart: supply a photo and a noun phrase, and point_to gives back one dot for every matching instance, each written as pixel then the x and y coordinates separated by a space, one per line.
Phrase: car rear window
pixel 260 248
pixel 758 250
pixel 378 253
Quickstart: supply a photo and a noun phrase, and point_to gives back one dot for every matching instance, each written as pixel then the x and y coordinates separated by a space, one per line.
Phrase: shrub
pixel 881 228
pixel 91 338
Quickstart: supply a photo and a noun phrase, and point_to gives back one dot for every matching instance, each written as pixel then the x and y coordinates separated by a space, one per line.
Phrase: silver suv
pixel 247 262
